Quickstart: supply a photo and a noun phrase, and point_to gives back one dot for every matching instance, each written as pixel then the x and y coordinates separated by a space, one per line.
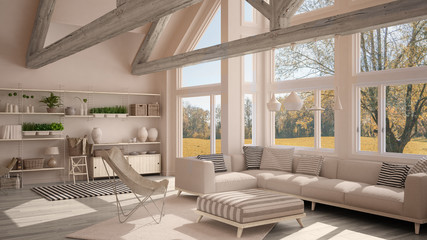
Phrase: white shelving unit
pixel 21 147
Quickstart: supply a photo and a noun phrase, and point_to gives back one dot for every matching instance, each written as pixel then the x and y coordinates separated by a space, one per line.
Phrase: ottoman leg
pixel 199 218
pixel 300 222
pixel 239 232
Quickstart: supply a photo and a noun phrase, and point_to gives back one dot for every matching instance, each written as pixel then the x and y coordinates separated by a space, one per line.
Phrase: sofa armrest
pixel 238 162
pixel 194 176
pixel 416 196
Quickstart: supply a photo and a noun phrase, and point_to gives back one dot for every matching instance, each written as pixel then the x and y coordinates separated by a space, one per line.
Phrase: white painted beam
pixel 388 14
pixel 128 16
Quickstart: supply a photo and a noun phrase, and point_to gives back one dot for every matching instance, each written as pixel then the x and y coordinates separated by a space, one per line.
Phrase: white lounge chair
pixel 137 183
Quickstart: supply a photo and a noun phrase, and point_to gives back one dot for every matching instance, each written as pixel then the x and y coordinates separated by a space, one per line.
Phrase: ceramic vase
pixel 152 134
pixel 96 135
pixel 142 134
pixel 70 111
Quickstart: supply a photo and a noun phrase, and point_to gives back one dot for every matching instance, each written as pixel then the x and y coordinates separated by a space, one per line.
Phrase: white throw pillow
pixel 310 164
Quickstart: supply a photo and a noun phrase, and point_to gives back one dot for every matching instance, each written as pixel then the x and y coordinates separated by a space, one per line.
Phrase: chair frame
pixel 123 216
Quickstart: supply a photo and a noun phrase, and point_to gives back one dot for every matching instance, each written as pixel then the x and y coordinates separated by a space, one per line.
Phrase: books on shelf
pixel 11 132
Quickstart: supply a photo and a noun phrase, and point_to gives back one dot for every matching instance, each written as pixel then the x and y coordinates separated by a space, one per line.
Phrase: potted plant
pixel 52 102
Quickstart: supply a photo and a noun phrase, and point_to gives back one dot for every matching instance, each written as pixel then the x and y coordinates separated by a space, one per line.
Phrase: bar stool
pixel 78 166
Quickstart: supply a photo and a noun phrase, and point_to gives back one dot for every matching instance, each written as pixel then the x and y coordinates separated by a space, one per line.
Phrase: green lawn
pixel 195 146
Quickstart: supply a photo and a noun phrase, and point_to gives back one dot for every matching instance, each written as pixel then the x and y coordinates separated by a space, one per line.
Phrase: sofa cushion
pixel 263 175
pixel 290 183
pixel 229 181
pixel 253 156
pixel 419 167
pixel 393 175
pixel 332 190
pixel 310 164
pixel 379 198
pixel 216 159
pixel 277 159
pixel 359 171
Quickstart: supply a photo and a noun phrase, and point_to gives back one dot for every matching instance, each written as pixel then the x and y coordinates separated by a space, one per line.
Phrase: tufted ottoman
pixel 249 208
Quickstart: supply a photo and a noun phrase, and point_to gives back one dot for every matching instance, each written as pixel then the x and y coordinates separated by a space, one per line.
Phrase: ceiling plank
pixel 41 26
pixel 388 14
pixel 150 40
pixel 132 14
pixel 262 7
pixel 282 11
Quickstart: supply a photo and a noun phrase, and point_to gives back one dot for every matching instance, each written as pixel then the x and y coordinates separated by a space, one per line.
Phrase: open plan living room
pixel 213 119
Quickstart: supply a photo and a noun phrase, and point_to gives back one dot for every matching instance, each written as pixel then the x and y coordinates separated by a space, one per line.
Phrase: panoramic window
pixel 298 128
pixel 210 72
pixel 295 128
pixel 248 113
pixel 196 125
pixel 401 46
pixel 248 68
pixel 307 60
pixel 310 5
pixel 327 119
pixel 368 119
pixel 405 118
pixel 249 12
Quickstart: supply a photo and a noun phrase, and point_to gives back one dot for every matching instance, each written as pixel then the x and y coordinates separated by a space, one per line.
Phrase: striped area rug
pixel 80 190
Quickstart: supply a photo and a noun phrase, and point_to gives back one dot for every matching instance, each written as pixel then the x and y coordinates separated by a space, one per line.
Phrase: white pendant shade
pixel 273 105
pixel 293 102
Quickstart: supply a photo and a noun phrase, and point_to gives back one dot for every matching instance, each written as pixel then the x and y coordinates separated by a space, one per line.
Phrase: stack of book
pixel 11 132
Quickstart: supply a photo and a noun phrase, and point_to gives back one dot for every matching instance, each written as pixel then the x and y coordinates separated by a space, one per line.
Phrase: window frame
pixel 249 88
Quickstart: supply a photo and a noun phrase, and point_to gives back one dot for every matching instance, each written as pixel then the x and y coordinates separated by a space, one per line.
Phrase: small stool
pixel 78 166
pixel 250 208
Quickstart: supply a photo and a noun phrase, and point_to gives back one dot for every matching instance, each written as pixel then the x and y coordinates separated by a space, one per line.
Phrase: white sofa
pixel 348 184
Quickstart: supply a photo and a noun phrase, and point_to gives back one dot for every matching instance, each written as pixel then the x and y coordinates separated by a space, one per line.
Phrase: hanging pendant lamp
pixel 293 102
pixel 273 105
pixel 337 104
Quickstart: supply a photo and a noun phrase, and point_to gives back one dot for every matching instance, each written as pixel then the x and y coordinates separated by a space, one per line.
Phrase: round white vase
pixel 152 134
pixel 142 134
pixel 96 135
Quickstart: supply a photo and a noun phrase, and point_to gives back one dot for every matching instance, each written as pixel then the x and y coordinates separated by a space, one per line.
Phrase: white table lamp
pixel 51 151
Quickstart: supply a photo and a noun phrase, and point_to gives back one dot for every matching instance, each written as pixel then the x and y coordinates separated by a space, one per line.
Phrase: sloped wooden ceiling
pixel 130 14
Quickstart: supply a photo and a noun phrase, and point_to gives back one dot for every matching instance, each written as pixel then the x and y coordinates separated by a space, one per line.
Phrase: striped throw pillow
pixel 217 159
pixel 419 167
pixel 253 156
pixel 393 175
pixel 310 164
pixel 277 159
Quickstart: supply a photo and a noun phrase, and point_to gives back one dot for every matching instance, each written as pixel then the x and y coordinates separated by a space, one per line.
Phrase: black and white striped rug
pixel 80 190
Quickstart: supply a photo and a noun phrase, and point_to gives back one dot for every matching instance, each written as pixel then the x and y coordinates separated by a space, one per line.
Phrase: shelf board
pixel 36 113
pixel 32 139
pixel 37 170
pixel 79 116
pixel 91 116
pixel 77 91
pixel 121 144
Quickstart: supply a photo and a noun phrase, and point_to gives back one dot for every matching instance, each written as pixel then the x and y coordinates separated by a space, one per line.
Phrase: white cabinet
pixel 143 164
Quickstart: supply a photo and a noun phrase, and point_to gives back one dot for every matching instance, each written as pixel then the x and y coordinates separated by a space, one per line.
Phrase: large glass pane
pixel 295 128
pixel 310 5
pixel 218 123
pixel 369 119
pixel 249 68
pixel 406 119
pixel 327 119
pixel 196 126
pixel 248 12
pixel 312 59
pixel 248 117
pixel 393 47
pixel 210 72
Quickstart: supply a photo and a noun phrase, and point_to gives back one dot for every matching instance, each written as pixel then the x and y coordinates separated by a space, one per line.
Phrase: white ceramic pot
pixel 96 135
pixel 142 134
pixel 152 134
